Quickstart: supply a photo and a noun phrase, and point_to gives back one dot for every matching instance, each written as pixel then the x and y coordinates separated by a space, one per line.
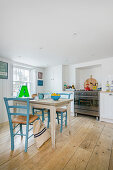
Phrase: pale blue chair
pixel 44 112
pixel 38 110
pixel 61 112
pixel 19 119
pixel 35 111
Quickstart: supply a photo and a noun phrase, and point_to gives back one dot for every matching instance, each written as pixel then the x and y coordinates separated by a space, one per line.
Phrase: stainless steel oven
pixel 87 102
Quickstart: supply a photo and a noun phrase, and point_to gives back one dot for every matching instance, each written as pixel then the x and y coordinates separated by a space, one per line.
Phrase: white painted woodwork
pixel 6 86
pixel 82 74
pixel 106 107
pixel 53 79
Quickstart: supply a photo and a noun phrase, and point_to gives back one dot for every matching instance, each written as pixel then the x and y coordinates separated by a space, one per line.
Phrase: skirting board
pixel 4 123
pixel 106 120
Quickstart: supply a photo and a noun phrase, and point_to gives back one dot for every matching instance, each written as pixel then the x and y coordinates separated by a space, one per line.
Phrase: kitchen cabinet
pixel 53 79
pixel 106 106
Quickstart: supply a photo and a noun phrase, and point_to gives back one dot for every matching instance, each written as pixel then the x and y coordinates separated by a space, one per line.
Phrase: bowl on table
pixel 55 96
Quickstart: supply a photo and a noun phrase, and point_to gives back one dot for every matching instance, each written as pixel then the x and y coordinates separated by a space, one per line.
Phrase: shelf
pixel 87 112
pixel 89 108
pixel 87 97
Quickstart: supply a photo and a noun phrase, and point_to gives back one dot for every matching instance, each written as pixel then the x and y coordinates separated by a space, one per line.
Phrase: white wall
pixel 105 73
pixel 82 74
pixel 53 79
pixel 33 81
pixel 6 85
pixel 68 74
pixel 5 91
pixel 102 74
pixel 40 89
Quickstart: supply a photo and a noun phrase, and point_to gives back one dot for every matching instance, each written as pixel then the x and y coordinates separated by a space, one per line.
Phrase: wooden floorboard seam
pixel 76 149
pixel 15 156
pixel 110 155
pixel 79 120
pixel 78 132
pixel 94 148
pixel 90 146
pixel 78 129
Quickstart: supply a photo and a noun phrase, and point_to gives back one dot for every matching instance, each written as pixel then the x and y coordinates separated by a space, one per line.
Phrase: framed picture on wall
pixel 40 75
pixel 3 70
pixel 40 82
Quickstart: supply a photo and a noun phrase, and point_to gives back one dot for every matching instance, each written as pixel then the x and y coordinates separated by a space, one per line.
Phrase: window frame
pixel 27 82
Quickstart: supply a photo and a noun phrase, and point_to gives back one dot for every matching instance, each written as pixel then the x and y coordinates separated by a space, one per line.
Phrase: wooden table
pixel 52 105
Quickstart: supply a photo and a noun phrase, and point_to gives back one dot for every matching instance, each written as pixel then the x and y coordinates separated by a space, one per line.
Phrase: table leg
pixel 68 116
pixel 53 126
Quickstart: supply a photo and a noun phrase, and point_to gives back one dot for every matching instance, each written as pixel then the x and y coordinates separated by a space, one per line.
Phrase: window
pixel 21 76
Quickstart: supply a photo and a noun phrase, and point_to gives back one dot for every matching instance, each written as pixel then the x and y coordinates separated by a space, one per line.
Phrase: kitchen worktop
pixel 106 91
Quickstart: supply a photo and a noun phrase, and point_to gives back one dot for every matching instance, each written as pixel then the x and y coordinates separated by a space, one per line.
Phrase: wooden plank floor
pixel 89 147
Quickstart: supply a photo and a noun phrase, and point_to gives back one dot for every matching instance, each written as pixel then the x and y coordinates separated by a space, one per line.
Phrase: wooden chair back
pixel 12 106
pixel 34 95
pixel 23 103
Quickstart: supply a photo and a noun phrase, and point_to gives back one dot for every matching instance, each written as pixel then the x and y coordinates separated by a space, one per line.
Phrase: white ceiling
pixel 51 32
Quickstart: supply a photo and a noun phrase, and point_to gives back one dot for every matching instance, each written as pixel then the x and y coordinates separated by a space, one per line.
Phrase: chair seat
pixel 22 119
pixel 46 111
pixel 38 112
pixel 61 109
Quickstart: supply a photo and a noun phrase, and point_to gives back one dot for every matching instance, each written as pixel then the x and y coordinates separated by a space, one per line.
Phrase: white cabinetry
pixel 53 79
pixel 106 106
